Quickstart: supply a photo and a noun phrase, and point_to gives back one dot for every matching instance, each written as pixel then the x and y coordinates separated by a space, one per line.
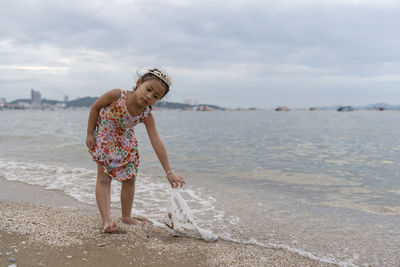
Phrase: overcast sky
pixel 229 53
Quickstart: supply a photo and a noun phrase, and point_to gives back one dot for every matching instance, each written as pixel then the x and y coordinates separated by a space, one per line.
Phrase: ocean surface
pixel 323 184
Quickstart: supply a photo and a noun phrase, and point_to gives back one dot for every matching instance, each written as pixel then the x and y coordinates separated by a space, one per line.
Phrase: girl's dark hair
pixel 149 76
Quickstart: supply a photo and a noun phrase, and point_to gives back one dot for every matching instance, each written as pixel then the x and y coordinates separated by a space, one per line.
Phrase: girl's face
pixel 149 92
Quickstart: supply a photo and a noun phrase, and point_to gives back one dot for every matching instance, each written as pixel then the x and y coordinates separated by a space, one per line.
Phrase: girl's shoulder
pixel 107 99
pixel 118 92
pixel 116 95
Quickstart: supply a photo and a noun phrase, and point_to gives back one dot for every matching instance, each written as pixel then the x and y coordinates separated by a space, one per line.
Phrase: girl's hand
pixel 174 180
pixel 90 141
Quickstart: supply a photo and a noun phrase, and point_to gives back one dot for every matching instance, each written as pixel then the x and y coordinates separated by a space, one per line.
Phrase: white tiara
pixel 156 72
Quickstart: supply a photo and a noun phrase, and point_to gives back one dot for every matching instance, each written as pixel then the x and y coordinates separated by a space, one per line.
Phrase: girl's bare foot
pixel 109 228
pixel 130 220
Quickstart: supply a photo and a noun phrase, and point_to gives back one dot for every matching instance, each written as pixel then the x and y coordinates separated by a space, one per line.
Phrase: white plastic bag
pixel 180 220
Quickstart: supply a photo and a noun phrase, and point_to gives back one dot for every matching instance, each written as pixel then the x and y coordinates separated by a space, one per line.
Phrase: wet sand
pixel 41 227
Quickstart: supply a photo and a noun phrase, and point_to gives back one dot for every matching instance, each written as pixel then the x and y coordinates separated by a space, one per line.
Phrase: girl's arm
pixel 105 100
pixel 161 152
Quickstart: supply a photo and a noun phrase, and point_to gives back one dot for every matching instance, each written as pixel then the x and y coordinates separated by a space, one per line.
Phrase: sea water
pixel 323 184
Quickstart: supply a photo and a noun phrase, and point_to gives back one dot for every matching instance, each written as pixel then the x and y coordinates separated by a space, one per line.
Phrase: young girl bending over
pixel 111 141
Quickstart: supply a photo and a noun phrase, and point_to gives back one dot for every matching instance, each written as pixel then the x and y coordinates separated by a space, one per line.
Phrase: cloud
pixel 385 78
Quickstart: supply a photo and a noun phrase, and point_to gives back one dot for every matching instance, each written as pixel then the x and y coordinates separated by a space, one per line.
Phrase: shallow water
pixel 324 184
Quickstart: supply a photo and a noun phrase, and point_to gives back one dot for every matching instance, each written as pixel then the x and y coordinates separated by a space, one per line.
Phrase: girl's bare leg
pixel 103 186
pixel 127 196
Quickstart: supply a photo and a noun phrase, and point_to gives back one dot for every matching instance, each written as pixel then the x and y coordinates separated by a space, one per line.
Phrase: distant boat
pixel 204 108
pixel 282 109
pixel 345 108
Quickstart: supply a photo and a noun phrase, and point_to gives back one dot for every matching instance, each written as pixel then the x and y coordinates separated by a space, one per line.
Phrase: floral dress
pixel 116 147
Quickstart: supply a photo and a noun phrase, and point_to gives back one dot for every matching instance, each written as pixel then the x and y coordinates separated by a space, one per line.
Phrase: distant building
pixel 36 98
pixel 190 101
pixel 3 102
pixel 66 98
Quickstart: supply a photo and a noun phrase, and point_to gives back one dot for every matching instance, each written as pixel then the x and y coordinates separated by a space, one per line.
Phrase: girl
pixel 113 146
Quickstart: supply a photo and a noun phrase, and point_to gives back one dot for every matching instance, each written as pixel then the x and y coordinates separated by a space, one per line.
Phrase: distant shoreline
pixel 25 103
pixel 88 101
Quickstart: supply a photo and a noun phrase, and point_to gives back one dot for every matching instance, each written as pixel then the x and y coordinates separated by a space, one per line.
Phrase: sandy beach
pixel 41 227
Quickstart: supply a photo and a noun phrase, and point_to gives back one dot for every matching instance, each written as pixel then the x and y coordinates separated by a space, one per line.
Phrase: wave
pixel 151 198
